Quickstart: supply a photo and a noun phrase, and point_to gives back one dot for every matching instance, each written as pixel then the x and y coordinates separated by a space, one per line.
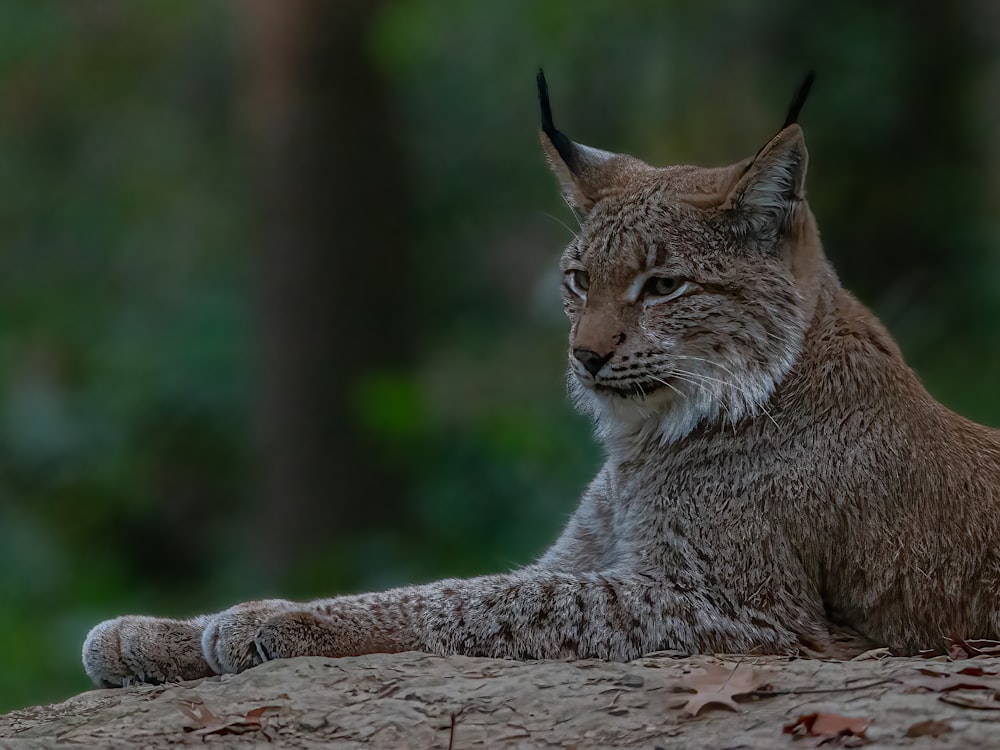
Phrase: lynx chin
pixel 777 479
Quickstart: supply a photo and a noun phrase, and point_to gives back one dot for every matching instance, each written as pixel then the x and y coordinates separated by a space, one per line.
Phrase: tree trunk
pixel 331 270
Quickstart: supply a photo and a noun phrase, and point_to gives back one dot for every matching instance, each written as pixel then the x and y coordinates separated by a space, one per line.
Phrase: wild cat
pixel 775 472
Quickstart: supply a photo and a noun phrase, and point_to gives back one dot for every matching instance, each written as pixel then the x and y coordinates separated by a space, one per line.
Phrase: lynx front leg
pixel 538 614
pixel 532 614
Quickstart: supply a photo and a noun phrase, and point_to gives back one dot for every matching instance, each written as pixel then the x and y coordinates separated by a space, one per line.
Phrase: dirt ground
pixel 661 701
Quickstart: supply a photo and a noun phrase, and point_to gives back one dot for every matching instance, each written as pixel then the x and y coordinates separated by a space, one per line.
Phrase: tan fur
pixel 776 475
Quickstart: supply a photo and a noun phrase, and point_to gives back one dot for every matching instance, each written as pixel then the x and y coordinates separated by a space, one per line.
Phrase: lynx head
pixel 682 287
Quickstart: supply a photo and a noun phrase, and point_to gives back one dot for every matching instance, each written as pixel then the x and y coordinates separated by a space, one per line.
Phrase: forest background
pixel 279 308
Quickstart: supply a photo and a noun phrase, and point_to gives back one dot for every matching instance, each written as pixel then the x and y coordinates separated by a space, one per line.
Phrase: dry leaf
pixel 256 714
pixel 929 728
pixel 969 678
pixel 982 702
pixel 200 716
pixel 971 671
pixel 957 652
pixel 719 686
pixel 876 654
pixel 982 647
pixel 828 726
pixel 204 722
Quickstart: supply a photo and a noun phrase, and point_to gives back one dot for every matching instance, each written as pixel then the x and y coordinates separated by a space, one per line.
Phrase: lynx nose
pixel 591 359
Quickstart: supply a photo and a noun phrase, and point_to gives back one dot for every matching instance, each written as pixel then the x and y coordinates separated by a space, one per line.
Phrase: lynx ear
pixel 772 185
pixel 577 167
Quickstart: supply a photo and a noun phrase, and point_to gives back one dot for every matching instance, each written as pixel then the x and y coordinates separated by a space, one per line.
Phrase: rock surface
pixel 418 700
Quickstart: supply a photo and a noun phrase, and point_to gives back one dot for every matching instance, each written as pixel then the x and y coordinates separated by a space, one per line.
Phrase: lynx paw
pixel 249 634
pixel 229 642
pixel 131 650
pixel 299 633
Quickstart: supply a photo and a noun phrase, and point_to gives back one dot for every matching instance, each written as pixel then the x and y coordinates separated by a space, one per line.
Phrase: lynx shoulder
pixel 776 475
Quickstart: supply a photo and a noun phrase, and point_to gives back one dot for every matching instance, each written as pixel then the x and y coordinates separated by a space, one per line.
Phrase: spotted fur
pixel 776 476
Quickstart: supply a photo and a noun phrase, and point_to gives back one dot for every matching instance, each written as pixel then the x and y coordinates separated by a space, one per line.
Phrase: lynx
pixel 776 476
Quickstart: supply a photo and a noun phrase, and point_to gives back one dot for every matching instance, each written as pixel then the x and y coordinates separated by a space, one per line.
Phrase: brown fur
pixel 776 475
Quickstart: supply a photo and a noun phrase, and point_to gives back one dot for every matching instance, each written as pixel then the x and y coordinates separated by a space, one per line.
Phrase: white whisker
pixel 561 223
pixel 572 210
pixel 683 377
pixel 752 398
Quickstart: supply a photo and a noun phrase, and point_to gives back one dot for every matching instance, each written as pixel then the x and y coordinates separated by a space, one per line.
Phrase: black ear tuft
pixel 799 99
pixel 558 139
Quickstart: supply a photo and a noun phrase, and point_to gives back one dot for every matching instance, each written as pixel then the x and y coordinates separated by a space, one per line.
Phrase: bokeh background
pixel 278 302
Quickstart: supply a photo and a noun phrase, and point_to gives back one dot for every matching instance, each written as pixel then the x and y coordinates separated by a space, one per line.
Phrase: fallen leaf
pixel 972 671
pixel 982 647
pixel 969 678
pixel 256 714
pixel 719 686
pixel 829 726
pixel 204 722
pixel 982 702
pixel 957 652
pixel 200 717
pixel 876 654
pixel 929 728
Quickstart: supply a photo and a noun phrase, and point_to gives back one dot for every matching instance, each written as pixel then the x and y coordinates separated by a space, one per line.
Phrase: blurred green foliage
pixel 127 311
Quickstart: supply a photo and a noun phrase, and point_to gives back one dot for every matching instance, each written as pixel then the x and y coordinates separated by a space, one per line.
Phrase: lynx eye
pixel 661 286
pixel 579 281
